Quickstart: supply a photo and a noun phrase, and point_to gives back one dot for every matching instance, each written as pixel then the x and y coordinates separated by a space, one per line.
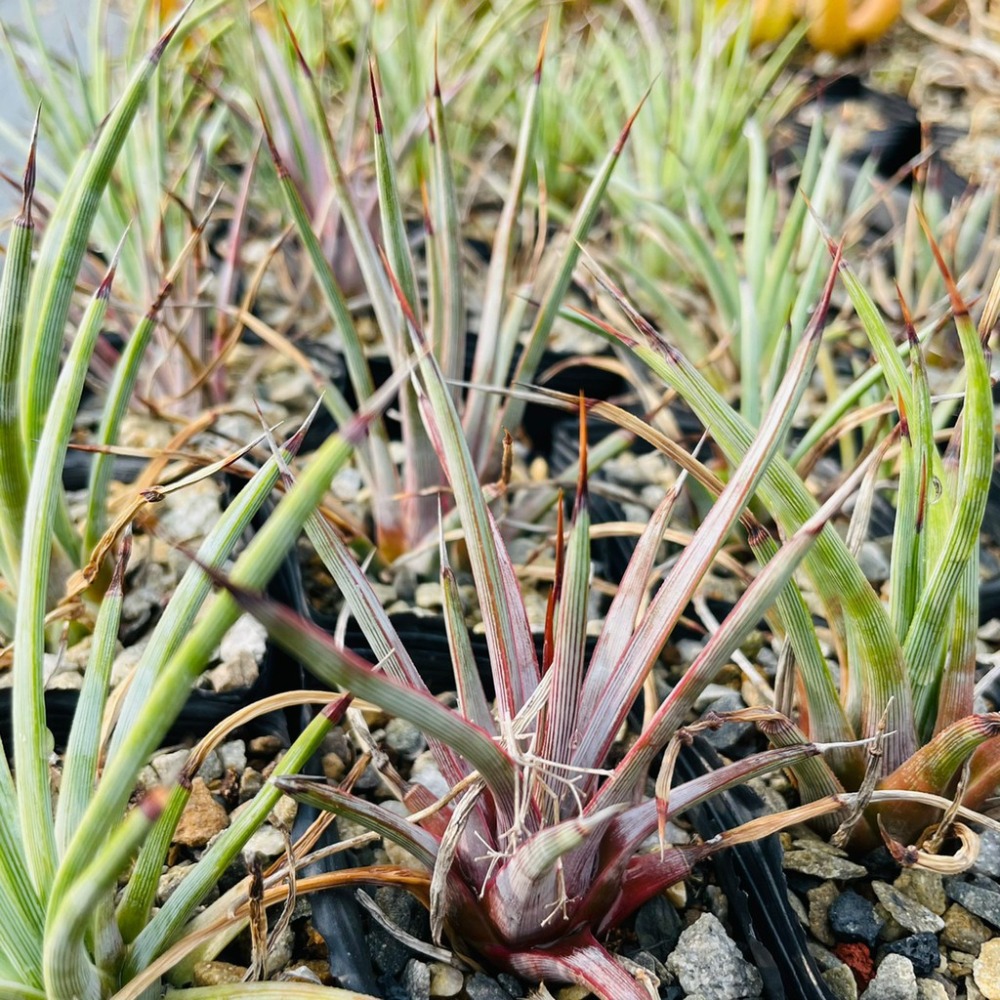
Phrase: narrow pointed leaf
pixel 13 290
pixel 629 674
pixel 63 248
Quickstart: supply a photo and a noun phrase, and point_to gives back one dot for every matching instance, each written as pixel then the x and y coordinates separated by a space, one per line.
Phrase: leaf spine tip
pixel 375 104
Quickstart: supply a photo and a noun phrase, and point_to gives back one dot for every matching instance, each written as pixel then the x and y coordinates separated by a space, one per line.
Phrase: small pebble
pixel 820 900
pixel 417 980
pixel 657 928
pixel 841 981
pixel 977 899
pixel 405 738
pixel 921 949
pixel 822 864
pixel 235 674
pixel 211 768
pixel 169 881
pixel 483 987
pixel 894 980
pixel 907 912
pixel 264 746
pixel 334 767
pixel 217 973
pixel 931 989
pixel 926 888
pixel 962 930
pixel 265 843
pixel 202 818
pixel 986 970
pixel 246 634
pixel 251 782
pixel 167 765
pixel 707 961
pixel 988 862
pixel 858 958
pixel 233 755
pixel 426 771
pixel 279 951
pixel 445 980
pixel 852 918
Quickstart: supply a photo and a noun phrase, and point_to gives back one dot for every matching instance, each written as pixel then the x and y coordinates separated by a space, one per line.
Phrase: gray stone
pixel 657 927
pixel 405 738
pixel 482 987
pixel 718 902
pixel 731 734
pixel 822 864
pixel 65 680
pixel 426 771
pixel 874 562
pixel 405 912
pixel 246 634
pixel 894 980
pixel 906 911
pixel 266 843
pixel 852 918
pixel 824 958
pixel 417 980
pixel 988 862
pixel 147 778
pixel 234 674
pixel 169 881
pixel 984 902
pixel 511 984
pixel 926 888
pixel 706 961
pixel 931 989
pixel 820 900
pixel 841 981
pixel 279 952
pixel 211 768
pixel 168 765
pixel 233 754
pixel 963 931
pixel 125 661
pixel 798 908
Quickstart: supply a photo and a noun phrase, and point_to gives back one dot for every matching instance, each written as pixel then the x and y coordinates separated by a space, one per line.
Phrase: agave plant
pixel 547 847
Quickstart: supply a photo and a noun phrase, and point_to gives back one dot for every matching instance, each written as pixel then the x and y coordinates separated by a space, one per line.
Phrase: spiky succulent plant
pixel 548 847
